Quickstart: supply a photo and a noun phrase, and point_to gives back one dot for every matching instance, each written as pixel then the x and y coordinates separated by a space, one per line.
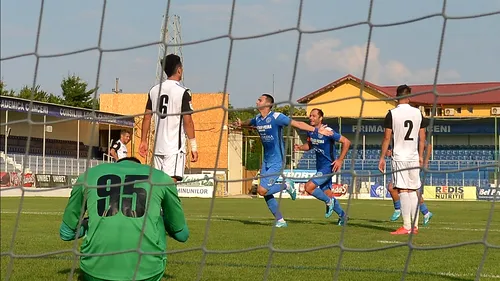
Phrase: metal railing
pixel 55 165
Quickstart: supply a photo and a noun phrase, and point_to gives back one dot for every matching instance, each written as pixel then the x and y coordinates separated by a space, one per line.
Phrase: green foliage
pixel 38 95
pixel 4 91
pixel 75 93
pixel 297 111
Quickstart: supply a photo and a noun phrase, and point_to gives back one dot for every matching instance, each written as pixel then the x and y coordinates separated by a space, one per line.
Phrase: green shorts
pixel 86 277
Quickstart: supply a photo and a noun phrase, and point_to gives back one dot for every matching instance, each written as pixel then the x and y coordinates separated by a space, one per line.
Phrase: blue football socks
pixel 320 195
pixel 272 203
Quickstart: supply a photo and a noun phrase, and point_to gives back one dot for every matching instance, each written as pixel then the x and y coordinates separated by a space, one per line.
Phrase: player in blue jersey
pixel 326 162
pixel 270 126
pixel 395 195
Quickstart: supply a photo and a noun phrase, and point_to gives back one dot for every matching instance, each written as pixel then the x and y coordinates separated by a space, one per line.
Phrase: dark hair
pixel 269 98
pixel 129 159
pixel 170 64
pixel 320 112
pixel 124 131
pixel 403 90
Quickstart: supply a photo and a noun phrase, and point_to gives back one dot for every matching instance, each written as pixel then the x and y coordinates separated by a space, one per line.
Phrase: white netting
pixel 268 245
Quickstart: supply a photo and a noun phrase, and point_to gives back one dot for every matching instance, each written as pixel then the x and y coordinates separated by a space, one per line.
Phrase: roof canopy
pixel 64 112
pixel 449 94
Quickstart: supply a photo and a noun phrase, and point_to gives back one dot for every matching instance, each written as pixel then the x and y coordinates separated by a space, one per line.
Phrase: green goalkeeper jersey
pixel 117 215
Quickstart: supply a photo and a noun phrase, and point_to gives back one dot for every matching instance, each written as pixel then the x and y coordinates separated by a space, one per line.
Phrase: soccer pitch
pixel 239 224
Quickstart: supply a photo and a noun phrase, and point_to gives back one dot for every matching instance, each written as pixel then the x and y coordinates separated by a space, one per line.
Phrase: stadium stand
pixel 445 157
pixel 63 148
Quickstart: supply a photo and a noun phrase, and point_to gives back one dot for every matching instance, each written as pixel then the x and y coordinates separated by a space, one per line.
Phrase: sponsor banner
pixel 440 127
pixel 340 191
pixel 72 180
pixel 488 193
pixel 196 185
pixel 450 192
pixel 301 175
pixel 51 181
pixel 379 191
pixel 8 179
pixel 21 105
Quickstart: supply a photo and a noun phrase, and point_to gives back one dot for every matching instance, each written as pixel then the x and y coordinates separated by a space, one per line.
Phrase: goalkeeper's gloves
pixel 84 227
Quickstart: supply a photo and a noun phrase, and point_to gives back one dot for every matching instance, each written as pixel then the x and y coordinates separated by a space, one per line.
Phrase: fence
pixel 55 165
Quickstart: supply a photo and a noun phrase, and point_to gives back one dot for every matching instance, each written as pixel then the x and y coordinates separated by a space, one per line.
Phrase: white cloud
pixel 328 54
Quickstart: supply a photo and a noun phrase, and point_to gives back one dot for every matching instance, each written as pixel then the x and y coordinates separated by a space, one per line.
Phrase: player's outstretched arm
pixel 240 124
pixel 175 222
pixel 146 123
pixel 303 147
pixel 71 216
pixel 306 127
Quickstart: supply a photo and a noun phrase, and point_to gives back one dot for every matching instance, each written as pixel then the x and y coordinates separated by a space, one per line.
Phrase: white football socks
pixel 405 200
pixel 414 207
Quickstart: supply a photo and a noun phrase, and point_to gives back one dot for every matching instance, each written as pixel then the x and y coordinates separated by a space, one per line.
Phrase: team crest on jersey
pixel 271 182
pixel 320 136
pixel 268 120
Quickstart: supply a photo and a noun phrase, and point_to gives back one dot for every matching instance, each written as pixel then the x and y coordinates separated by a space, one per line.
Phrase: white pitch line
pixel 389 242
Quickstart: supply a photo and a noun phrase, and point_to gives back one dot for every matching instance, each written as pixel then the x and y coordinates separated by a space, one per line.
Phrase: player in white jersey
pixel 395 194
pixel 405 125
pixel 170 97
pixel 118 149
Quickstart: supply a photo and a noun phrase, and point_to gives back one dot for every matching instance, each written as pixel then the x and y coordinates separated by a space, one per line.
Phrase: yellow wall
pixel 207 124
pixel 61 129
pixel 351 107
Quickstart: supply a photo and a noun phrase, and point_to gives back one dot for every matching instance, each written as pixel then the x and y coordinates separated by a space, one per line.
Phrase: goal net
pixel 236 239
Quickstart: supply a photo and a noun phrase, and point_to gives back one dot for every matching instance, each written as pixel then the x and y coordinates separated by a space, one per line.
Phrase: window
pixel 427 112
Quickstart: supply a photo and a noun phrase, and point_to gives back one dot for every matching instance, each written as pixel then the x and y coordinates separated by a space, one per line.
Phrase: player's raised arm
pixel 385 141
pixel 175 222
pixel 71 216
pixel 146 123
pixel 306 127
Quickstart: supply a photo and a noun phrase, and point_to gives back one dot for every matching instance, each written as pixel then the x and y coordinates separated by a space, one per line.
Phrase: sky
pixel 398 54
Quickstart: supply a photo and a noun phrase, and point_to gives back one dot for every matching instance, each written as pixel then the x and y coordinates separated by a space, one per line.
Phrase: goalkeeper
pixel 118 210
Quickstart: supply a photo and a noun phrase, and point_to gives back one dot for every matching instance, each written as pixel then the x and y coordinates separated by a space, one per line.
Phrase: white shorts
pixel 172 165
pixel 406 179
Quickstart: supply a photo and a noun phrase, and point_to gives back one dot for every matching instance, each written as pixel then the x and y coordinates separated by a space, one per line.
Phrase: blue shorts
pixel 269 174
pixel 324 182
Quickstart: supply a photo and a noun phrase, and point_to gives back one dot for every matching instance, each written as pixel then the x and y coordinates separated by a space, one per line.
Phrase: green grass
pixel 239 224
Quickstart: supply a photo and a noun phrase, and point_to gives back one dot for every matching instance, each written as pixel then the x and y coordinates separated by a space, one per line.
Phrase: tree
pixel 75 93
pixel 38 95
pixel 4 91
pixel 297 111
